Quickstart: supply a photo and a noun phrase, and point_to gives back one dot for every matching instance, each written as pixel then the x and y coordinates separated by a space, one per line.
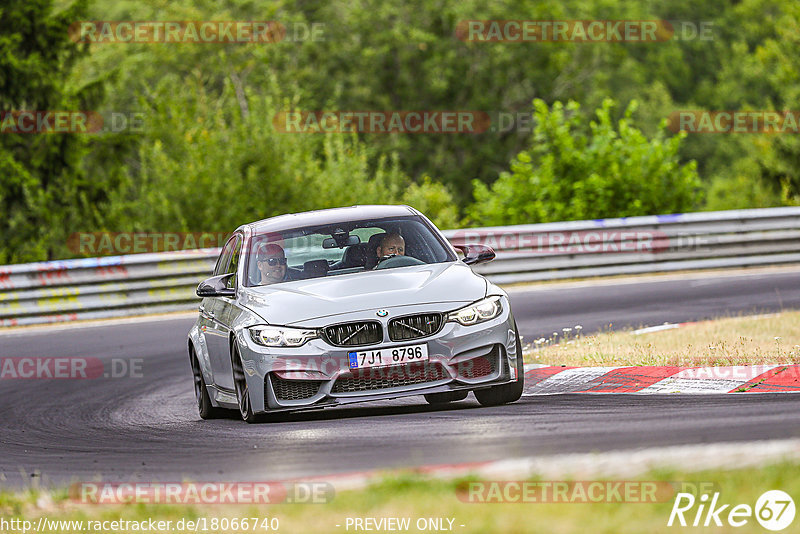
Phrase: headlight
pixel 281 336
pixel 483 310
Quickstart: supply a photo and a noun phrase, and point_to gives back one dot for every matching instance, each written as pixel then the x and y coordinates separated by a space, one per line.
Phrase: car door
pixel 217 333
pixel 207 304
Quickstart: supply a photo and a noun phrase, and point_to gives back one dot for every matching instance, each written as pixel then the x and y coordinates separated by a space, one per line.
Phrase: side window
pixel 225 257
pixel 233 265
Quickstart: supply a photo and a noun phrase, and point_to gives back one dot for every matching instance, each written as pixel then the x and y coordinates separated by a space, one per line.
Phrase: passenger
pixel 271 263
pixel 391 245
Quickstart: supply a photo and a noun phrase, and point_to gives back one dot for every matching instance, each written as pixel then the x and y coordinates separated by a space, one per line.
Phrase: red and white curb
pixel 548 380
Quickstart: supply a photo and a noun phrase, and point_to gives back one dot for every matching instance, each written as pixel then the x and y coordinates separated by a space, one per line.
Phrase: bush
pixel 576 171
pixel 435 201
pixel 209 163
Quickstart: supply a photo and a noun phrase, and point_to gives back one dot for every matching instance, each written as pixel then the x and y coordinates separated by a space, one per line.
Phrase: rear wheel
pixel 242 391
pixel 447 396
pixel 505 393
pixel 204 406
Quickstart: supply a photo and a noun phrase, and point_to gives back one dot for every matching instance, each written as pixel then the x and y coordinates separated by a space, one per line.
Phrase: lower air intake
pixel 376 378
pixel 479 367
pixel 294 389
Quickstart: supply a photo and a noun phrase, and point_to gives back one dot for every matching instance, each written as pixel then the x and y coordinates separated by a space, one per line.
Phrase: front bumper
pixel 318 375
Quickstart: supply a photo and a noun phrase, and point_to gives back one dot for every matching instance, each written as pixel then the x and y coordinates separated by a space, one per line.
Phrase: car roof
pixel 329 216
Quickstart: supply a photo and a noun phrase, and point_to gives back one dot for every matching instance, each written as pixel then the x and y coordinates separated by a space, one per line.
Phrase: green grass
pixel 766 339
pixel 412 495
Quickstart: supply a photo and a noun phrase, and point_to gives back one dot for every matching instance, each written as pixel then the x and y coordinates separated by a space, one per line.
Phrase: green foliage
pixel 434 200
pixel 574 171
pixel 741 187
pixel 211 159
pixel 215 161
pixel 44 190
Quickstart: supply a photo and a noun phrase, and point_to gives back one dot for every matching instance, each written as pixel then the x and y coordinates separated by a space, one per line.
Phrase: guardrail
pixel 632 245
pixel 135 284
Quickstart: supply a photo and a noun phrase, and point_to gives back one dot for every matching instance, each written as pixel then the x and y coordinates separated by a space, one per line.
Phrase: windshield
pixel 343 248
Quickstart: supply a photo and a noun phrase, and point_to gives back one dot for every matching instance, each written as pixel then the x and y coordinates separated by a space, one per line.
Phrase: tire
pixel 242 391
pixel 204 406
pixel 444 398
pixel 503 394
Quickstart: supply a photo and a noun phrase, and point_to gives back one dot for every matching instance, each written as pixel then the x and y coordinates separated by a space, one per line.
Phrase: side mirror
pixel 216 286
pixel 474 254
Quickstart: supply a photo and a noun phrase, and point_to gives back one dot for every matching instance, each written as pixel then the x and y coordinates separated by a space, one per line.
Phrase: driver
pixel 391 245
pixel 271 263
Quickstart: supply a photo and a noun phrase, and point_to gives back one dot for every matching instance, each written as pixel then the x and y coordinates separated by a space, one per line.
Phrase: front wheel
pixel 242 391
pixel 204 406
pixel 503 394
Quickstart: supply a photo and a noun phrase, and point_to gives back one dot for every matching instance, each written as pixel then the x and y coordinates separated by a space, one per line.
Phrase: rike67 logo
pixel 774 510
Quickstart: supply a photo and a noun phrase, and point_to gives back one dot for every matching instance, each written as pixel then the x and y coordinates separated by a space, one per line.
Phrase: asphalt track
pixel 634 303
pixel 147 428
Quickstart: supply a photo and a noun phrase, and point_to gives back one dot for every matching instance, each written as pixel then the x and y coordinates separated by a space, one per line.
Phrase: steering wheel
pixel 389 262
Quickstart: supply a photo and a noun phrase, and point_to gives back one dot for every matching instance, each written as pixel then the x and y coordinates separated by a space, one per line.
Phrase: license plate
pixel 388 356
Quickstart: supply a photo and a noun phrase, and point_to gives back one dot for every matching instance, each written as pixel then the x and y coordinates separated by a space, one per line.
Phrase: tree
pixel 208 166
pixel 43 189
pixel 577 171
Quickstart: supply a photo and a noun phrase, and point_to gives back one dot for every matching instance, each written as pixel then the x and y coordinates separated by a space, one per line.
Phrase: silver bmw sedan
pixel 344 305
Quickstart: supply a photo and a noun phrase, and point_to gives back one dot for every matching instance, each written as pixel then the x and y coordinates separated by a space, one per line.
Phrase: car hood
pixel 294 302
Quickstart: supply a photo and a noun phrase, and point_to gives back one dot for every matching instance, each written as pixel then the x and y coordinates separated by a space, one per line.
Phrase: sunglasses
pixel 274 261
